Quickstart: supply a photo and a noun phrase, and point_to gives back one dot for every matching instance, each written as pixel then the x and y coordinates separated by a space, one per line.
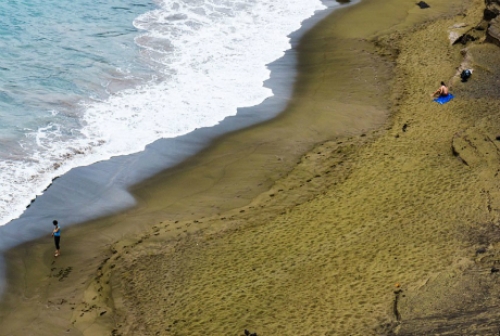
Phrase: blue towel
pixel 444 99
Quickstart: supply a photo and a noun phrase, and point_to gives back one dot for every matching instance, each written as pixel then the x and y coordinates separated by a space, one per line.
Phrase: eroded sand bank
pixel 252 234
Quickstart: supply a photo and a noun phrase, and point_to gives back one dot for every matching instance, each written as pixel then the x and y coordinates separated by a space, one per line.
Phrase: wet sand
pixel 304 224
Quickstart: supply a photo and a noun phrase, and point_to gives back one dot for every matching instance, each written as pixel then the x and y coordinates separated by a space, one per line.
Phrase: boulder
pixel 493 32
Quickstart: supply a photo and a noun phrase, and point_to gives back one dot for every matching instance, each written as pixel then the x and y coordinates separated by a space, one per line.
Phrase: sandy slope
pixel 322 251
pixel 253 234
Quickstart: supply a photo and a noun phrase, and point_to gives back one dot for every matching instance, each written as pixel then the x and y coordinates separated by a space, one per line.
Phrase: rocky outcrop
pixel 493 32
pixel 492 14
pixel 492 9
pixel 457 32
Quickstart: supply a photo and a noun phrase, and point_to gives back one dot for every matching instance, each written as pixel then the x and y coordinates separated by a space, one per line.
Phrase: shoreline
pixel 104 186
pixel 98 151
pixel 223 207
pixel 108 231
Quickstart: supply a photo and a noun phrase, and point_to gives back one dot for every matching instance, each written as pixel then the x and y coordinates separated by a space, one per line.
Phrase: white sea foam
pixel 210 57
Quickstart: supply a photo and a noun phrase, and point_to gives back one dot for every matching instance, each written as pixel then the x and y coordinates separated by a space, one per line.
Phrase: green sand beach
pixel 363 209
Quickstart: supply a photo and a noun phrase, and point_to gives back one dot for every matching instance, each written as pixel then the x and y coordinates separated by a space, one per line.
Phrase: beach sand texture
pixel 372 232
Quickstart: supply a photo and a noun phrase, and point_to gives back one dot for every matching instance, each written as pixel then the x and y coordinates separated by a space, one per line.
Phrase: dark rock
pixel 423 4
pixel 492 9
pixel 464 39
pixel 489 14
pixel 495 270
pixel 405 126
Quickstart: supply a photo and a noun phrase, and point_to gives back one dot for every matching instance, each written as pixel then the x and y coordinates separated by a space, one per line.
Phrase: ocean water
pixel 84 81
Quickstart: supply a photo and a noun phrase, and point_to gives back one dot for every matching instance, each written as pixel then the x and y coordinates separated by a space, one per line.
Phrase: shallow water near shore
pixel 73 95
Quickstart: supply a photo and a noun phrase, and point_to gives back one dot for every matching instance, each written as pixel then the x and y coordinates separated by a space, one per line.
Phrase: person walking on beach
pixel 442 91
pixel 56 233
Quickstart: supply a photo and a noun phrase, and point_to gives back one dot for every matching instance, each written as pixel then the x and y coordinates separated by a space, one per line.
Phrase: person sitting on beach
pixel 56 233
pixel 442 91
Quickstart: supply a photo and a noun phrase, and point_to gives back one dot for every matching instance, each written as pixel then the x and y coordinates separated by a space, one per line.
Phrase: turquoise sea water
pixel 84 81
pixel 53 53
pixel 53 56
